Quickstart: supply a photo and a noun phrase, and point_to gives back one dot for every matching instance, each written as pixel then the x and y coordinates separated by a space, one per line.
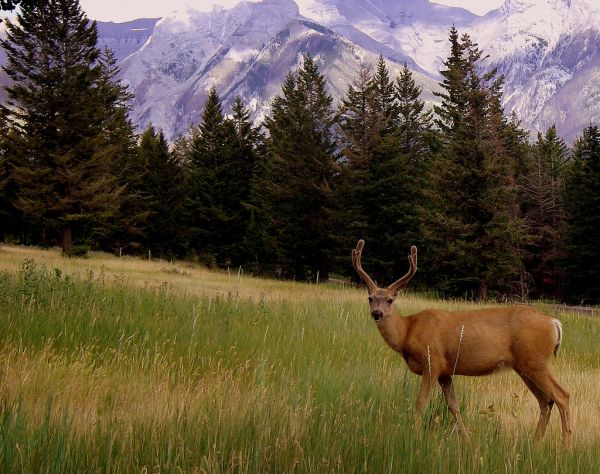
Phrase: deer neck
pixel 393 329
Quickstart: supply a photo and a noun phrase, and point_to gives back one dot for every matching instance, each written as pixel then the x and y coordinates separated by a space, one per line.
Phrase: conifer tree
pixel 248 150
pixel 373 171
pixel 296 190
pixel 473 231
pixel 414 122
pixel 384 94
pixel 582 263
pixel 56 106
pixel 388 140
pixel 223 155
pixel 164 190
pixel 7 211
pixel 207 149
pixel 360 127
pixel 359 120
pixel 544 212
pixel 126 226
pixel 400 157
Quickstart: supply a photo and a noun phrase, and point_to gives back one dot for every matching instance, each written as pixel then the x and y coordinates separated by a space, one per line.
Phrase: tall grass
pixel 99 373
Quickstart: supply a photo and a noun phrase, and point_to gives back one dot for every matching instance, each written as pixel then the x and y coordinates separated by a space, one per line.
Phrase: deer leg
pixel 427 383
pixel 563 408
pixel 450 396
pixel 545 382
pixel 545 403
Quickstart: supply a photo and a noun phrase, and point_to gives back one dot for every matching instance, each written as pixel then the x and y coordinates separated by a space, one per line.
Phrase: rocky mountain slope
pixel 548 50
pixel 125 38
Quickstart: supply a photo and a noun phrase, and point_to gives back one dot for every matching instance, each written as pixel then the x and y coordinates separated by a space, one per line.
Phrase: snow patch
pixel 320 10
pixel 241 54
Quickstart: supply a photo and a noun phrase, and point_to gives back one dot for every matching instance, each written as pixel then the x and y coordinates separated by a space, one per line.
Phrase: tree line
pixel 494 214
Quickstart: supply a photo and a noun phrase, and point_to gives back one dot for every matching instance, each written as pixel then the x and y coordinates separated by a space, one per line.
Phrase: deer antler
pixel 412 260
pixel 356 254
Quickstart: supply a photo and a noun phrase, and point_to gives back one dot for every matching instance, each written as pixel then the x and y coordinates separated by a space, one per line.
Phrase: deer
pixel 438 344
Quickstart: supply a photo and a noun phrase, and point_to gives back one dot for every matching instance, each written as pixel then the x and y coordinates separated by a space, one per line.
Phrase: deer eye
pixel 390 300
pixel 370 299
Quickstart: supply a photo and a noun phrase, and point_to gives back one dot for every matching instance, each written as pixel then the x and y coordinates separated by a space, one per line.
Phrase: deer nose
pixel 377 314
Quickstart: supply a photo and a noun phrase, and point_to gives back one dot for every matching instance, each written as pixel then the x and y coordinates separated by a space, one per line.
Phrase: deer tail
pixel 559 335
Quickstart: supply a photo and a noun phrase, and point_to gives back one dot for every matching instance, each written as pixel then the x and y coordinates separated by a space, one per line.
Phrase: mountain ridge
pixel 548 51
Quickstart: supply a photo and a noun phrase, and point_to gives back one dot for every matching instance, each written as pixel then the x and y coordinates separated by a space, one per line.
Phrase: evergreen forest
pixel 495 212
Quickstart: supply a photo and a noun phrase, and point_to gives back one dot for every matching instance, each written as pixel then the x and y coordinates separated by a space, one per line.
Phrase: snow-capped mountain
pixel 244 51
pixel 125 38
pixel 122 38
pixel 548 50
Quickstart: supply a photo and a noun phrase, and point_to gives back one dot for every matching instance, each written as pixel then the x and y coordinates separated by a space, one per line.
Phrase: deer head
pixel 382 299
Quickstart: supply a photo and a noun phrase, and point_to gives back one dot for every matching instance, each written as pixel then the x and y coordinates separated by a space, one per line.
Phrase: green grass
pixel 101 374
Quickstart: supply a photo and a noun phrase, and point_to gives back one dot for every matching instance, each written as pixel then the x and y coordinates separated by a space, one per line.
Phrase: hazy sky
pixel 123 10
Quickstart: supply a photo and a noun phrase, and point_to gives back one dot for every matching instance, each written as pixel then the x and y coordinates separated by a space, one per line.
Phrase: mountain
pixel 125 38
pixel 244 51
pixel 4 81
pixel 548 50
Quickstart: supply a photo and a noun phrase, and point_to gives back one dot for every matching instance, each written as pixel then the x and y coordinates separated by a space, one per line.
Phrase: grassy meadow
pixel 123 365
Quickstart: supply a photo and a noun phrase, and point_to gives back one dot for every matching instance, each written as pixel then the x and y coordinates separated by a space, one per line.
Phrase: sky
pixel 123 10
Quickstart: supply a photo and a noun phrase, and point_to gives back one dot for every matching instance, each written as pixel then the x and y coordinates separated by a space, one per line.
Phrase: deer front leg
pixel 450 396
pixel 427 384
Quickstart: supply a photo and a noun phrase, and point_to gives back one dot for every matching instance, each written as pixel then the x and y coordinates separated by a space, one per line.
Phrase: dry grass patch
pixel 181 277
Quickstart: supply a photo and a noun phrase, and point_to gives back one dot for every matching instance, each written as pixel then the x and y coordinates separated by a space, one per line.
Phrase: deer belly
pixel 481 367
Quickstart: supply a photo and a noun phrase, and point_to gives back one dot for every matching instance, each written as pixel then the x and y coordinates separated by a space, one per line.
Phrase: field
pixel 124 365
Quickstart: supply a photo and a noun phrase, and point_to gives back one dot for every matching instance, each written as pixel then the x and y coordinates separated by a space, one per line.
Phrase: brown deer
pixel 438 344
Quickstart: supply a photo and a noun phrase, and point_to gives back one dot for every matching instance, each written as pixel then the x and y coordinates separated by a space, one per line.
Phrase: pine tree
pixel 242 172
pixel 295 194
pixel 414 122
pixel 360 127
pixel 126 226
pixel 223 156
pixel 164 191
pixel 400 158
pixel 454 97
pixel 544 212
pixel 207 149
pixel 388 140
pixel 60 163
pixel 359 120
pixel 384 94
pixel 473 231
pixel 6 208
pixel 582 181
pixel 376 176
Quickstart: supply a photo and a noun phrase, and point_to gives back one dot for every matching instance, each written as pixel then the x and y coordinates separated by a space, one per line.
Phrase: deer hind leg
pixel 545 382
pixel 546 404
pixel 450 396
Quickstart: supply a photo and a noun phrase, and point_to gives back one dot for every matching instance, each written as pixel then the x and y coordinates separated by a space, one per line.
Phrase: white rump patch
pixel 559 334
